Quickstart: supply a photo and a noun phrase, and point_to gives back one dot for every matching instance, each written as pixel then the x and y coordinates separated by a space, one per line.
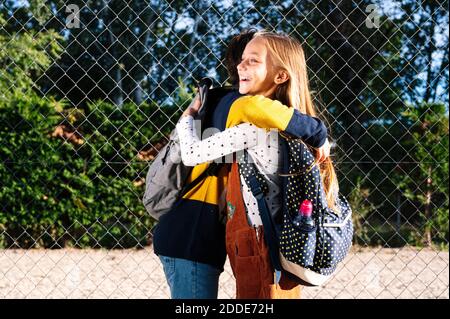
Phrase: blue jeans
pixel 188 279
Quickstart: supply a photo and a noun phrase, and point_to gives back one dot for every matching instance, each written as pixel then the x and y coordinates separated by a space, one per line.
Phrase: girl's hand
pixel 193 108
pixel 323 152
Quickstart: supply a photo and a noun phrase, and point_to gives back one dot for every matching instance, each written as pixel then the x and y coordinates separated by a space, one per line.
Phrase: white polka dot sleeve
pixel 195 151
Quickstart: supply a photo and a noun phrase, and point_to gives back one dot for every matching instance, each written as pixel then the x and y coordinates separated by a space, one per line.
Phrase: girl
pixel 272 66
pixel 190 239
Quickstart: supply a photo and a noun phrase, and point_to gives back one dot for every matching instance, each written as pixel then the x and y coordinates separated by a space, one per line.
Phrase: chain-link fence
pixel 89 91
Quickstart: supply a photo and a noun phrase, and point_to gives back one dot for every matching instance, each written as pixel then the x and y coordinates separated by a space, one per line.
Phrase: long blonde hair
pixel 286 53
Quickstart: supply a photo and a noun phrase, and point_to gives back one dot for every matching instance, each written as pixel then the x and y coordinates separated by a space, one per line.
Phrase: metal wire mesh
pixel 88 113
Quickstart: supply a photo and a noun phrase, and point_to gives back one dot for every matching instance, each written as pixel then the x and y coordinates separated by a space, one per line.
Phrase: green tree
pixel 361 210
pixel 427 183
pixel 425 56
pixel 25 54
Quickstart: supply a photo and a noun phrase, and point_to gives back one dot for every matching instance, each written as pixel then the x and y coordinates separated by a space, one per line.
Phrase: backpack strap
pixel 270 235
pixel 203 89
pixel 211 170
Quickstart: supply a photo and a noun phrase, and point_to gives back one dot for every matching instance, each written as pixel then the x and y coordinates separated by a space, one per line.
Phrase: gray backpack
pixel 166 178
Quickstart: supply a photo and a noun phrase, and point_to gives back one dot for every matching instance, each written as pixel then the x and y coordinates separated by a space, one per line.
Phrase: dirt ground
pixel 72 273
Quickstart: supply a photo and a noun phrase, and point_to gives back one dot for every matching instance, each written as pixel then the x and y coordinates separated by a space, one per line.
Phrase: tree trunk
pixel 149 22
pixel 431 47
pixel 118 96
pixel 398 220
pixel 352 111
pixel 193 40
pixel 117 91
pixel 444 65
pixel 427 234
pixel 138 92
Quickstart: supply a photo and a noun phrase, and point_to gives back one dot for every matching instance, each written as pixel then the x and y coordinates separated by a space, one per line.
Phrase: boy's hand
pixel 323 152
pixel 193 108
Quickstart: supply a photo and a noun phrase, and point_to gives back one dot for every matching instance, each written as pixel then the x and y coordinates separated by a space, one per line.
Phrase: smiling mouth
pixel 244 79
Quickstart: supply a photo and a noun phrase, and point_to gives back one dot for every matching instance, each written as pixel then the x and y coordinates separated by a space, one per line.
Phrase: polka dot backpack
pixel 307 256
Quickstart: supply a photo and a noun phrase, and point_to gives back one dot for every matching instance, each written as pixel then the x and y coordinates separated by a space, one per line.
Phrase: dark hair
pixel 233 55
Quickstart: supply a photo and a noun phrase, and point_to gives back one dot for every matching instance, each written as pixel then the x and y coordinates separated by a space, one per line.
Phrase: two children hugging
pixel 269 70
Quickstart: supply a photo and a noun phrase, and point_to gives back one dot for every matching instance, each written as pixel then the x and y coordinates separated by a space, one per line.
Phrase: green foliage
pixel 185 93
pixel 89 182
pixel 427 183
pixel 23 57
pixel 72 177
pixel 361 209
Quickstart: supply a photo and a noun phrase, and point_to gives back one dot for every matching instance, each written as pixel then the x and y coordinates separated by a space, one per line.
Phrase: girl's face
pixel 256 72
